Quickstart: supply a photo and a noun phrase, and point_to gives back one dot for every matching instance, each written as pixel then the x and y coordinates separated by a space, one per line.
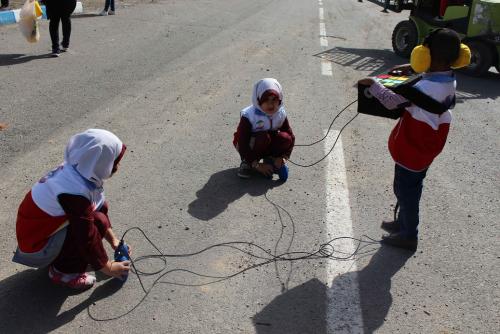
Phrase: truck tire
pixel 404 38
pixel 481 59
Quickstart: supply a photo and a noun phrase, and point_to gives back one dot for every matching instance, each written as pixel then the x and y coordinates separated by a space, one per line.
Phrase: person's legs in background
pixel 386 5
pixel 54 33
pixel 109 8
pixel 70 6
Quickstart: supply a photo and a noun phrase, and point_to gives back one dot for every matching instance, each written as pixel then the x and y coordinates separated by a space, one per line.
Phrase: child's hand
pixel 115 243
pixel 119 269
pixel 366 81
pixel 265 169
pixel 278 162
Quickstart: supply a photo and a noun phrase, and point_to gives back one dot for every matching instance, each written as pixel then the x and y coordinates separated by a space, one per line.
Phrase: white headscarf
pixel 263 85
pixel 93 153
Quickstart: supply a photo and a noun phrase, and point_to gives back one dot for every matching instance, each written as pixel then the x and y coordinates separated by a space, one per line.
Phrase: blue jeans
pixel 408 190
pixel 109 3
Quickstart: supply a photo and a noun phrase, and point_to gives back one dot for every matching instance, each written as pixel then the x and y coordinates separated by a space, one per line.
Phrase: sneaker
pixel 397 240
pixel 55 53
pixel 283 173
pixel 245 171
pixel 64 49
pixel 103 13
pixel 111 12
pixel 391 227
pixel 79 281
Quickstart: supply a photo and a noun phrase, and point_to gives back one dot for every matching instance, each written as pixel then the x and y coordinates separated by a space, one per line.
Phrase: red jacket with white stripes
pixel 419 136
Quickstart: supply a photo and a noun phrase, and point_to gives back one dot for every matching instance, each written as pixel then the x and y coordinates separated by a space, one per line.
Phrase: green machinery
pixel 476 21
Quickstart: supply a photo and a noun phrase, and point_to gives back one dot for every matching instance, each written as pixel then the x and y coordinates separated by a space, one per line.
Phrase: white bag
pixel 28 20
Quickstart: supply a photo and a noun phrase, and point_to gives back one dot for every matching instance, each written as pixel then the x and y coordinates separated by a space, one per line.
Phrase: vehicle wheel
pixel 481 59
pixel 404 38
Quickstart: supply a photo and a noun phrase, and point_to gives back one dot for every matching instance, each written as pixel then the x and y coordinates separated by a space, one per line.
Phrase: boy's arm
pixel 387 97
pixel 80 215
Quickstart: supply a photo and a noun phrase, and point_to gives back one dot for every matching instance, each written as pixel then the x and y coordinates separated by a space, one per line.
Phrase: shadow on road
pixel 222 189
pixel 299 310
pixel 82 16
pixel 373 60
pixel 304 308
pixel 19 58
pixel 380 61
pixel 375 285
pixel 30 303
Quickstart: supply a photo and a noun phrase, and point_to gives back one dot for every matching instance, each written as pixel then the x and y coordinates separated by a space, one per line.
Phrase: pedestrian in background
pixel 386 5
pixel 60 10
pixel 109 8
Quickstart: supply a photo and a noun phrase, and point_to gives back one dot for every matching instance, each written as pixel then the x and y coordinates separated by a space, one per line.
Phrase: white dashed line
pixel 326 66
pixel 343 301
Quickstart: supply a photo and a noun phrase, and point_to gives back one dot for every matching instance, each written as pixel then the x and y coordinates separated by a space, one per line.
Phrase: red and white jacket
pixel 41 215
pixel 419 136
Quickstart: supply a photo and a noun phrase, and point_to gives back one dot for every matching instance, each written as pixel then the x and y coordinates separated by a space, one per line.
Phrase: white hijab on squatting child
pixel 264 85
pixel 93 153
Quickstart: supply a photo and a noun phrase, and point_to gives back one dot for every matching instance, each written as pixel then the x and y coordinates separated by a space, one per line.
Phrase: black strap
pixel 420 99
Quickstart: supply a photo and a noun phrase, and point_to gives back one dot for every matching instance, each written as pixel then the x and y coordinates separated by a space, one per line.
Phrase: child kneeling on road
pixel 61 222
pixel 264 132
pixel 420 135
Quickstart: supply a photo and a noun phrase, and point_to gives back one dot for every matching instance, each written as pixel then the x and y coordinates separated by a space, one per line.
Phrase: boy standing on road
pixel 419 136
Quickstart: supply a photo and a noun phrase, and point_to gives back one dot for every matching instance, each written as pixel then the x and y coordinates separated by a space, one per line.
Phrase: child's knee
pixel 262 141
pixel 282 142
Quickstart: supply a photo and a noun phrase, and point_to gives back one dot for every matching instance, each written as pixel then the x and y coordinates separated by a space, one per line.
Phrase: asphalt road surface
pixel 169 78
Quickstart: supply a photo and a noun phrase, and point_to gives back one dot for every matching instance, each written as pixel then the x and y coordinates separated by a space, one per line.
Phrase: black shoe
pixel 397 240
pixel 245 171
pixel 55 53
pixel 391 227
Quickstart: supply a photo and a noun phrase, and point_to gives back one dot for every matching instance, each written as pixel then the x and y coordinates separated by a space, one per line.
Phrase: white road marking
pixel 326 68
pixel 343 300
pixel 322 29
pixel 322 34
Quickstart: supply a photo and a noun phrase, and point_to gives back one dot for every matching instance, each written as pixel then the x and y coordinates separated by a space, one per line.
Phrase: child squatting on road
pixel 264 132
pixel 62 220
pixel 419 136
